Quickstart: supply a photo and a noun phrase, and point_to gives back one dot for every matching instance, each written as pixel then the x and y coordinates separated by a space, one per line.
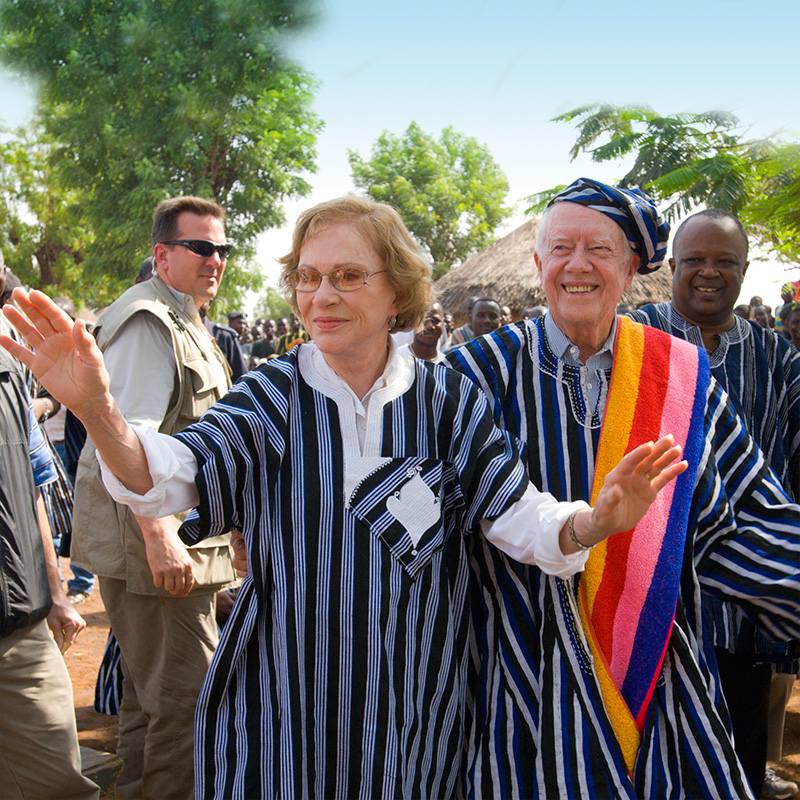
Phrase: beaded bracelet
pixel 572 537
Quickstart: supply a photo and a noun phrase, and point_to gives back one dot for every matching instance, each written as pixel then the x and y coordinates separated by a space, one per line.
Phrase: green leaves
pixel 145 99
pixel 686 160
pixel 450 192
pixel 42 235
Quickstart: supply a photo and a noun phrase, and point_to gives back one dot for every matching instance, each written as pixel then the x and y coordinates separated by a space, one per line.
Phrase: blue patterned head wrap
pixel 632 210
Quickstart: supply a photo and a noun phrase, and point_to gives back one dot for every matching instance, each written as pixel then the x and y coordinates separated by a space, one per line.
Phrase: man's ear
pixel 633 266
pixel 159 252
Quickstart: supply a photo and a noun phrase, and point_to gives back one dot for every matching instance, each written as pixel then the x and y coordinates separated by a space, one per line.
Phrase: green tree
pixel 151 98
pixel 686 160
pixel 42 235
pixel 272 305
pixel 450 193
pixel 776 212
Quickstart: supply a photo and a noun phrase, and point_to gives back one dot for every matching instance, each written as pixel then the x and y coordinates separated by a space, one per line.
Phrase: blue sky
pixel 499 70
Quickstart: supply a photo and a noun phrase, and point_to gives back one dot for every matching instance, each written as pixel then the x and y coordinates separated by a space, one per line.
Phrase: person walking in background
pixel 40 755
pixel 427 339
pixel 464 333
pixel 165 370
pixel 295 335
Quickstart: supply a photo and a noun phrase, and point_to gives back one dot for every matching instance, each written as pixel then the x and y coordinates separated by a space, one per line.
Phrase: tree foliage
pixel 687 160
pixel 42 237
pixel 272 305
pixel 151 98
pixel 776 212
pixel 450 193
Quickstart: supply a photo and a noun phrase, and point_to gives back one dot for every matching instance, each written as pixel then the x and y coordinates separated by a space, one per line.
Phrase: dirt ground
pixel 99 731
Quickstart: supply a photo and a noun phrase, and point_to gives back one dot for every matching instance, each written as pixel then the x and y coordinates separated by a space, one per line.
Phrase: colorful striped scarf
pixel 629 589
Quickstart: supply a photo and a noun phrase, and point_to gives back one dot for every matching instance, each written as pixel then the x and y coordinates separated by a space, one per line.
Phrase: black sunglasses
pixel 204 248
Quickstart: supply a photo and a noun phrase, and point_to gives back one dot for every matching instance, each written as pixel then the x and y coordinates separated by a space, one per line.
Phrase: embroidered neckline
pixel 739 333
pixel 546 361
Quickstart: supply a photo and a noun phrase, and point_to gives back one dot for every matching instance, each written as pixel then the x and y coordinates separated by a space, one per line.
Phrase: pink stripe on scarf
pixel 641 551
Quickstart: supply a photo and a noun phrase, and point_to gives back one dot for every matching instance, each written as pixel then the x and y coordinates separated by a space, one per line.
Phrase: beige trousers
pixel 39 753
pixel 166 645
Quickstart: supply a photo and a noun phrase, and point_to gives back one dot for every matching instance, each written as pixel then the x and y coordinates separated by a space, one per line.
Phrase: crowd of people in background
pixel 170 365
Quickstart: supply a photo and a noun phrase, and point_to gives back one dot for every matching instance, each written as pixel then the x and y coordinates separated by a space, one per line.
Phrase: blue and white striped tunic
pixel 540 729
pixel 342 671
pixel 760 371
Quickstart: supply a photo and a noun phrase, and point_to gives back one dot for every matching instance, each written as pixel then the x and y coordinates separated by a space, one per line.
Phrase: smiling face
pixel 186 271
pixel 432 327
pixel 585 264
pixel 347 327
pixel 485 317
pixel 708 265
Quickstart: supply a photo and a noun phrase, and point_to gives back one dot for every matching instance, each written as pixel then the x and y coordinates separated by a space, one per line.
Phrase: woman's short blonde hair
pixel 379 223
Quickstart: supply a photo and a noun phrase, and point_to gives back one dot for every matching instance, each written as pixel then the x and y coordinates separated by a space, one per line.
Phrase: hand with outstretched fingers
pixel 629 490
pixel 65 357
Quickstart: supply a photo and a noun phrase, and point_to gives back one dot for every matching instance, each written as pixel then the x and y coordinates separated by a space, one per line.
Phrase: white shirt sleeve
pixel 173 468
pixel 528 531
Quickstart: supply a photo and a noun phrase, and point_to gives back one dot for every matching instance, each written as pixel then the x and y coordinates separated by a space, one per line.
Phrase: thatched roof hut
pixel 505 271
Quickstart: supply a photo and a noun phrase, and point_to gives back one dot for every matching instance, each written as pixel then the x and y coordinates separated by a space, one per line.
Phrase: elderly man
pixel 165 371
pixel 761 373
pixel 605 685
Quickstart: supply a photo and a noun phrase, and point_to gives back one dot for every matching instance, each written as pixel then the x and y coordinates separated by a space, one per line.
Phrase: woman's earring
pixel 392 321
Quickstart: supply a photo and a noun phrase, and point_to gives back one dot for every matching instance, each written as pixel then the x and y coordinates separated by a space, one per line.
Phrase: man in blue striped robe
pixel 540 726
pixel 761 373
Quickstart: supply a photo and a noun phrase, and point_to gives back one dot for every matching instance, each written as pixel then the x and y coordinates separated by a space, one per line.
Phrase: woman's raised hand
pixel 65 357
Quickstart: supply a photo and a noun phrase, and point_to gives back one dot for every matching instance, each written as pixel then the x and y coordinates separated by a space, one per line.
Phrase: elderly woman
pixel 354 474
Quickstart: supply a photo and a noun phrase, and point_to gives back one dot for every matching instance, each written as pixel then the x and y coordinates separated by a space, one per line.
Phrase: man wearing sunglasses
pixel 165 371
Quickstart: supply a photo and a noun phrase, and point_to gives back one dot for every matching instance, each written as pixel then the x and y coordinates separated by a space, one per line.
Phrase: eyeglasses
pixel 344 279
pixel 204 248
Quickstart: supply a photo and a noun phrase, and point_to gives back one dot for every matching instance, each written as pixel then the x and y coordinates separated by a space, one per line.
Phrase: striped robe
pixel 760 371
pixel 342 670
pixel 539 727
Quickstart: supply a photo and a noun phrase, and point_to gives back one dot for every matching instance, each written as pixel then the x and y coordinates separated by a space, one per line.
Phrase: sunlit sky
pixel 500 70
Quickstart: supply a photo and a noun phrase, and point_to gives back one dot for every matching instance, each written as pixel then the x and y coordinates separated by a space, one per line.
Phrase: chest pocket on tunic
pixel 405 502
pixel 203 395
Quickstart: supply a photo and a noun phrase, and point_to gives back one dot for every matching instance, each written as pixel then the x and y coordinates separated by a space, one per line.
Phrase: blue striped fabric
pixel 761 373
pixel 632 210
pixel 108 688
pixel 342 670
pixel 540 729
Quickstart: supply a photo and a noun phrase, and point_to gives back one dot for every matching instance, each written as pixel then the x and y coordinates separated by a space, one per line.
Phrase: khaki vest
pixel 106 538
